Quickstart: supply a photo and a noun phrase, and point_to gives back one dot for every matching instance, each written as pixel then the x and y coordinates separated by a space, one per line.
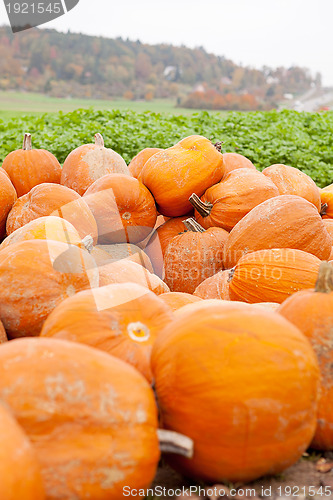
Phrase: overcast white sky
pixel 251 32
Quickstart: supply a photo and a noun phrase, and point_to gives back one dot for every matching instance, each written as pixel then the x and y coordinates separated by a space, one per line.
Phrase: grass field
pixel 14 104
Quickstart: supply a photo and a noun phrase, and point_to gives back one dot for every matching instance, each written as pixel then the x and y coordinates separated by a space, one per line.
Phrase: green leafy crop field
pixel 302 140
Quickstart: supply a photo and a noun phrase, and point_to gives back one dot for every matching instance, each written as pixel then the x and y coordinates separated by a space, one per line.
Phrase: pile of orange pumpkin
pixel 180 304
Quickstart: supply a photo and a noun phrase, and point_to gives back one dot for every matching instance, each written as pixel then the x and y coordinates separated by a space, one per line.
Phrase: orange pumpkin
pixel 235 161
pixel 89 162
pixel 45 228
pixel 193 256
pixel 159 240
pixel 215 287
pixel 122 319
pixel 20 476
pixel 243 383
pixel 101 410
pixel 3 334
pixel 272 275
pixel 7 199
pixel 286 221
pixel 35 276
pixel 290 180
pixel 172 175
pixel 52 199
pixel 139 161
pixel 104 254
pixel 127 271
pixel 176 300
pixel 123 207
pixel 312 312
pixel 28 167
pixel 326 196
pixel 226 203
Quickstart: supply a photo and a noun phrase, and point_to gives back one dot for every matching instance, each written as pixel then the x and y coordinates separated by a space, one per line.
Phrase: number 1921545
pixel 304 491
pixel 34 8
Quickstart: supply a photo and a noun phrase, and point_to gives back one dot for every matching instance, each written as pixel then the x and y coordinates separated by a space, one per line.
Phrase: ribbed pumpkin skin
pixel 235 161
pixel 157 244
pixel 172 175
pixel 273 275
pixel 101 410
pixel 122 319
pixel 285 221
pixel 215 287
pixel 30 287
pixel 45 228
pixel 312 313
pixel 192 257
pixel 89 162
pixel 138 162
pixel 326 195
pixel 28 168
pixel 176 300
pixel 124 209
pixel 53 199
pixel 234 197
pixel 20 476
pixel 290 180
pixel 242 384
pixel 8 197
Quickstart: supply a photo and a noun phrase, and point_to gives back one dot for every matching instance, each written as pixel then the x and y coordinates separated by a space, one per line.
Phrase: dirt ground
pixel 310 478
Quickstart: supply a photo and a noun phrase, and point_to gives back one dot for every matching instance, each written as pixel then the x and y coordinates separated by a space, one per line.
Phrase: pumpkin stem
pixel 203 208
pixel 324 282
pixel 27 142
pixel 99 141
pixel 218 146
pixel 88 243
pixel 173 442
pixel 193 225
pixel 324 208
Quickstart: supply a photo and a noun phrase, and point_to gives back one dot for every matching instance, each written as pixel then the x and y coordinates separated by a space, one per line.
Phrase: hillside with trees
pixel 76 65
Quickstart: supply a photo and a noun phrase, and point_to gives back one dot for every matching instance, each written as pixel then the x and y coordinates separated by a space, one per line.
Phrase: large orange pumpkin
pixel 215 287
pixel 243 383
pixel 20 476
pixel 176 300
pixel 193 256
pixel 326 196
pixel 291 180
pixel 312 312
pixel 53 199
pixel 272 275
pixel 35 276
pixel 28 167
pixel 89 162
pixel 91 417
pixel 45 228
pixel 139 161
pixel 226 203
pixel 122 319
pixel 123 208
pixel 235 161
pixel 286 221
pixel 172 175
pixel 160 239
pixel 7 199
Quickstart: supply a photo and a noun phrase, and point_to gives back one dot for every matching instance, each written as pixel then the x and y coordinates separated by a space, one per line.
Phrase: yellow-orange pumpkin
pixel 139 161
pixel 176 300
pixel 89 162
pixel 20 476
pixel 226 203
pixel 312 312
pixel 290 180
pixel 235 161
pixel 123 208
pixel 215 287
pixel 52 199
pixel 29 167
pixel 7 199
pixel 286 221
pixel 172 175
pixel 35 276
pixel 272 275
pixel 193 256
pixel 243 383
pixel 326 196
